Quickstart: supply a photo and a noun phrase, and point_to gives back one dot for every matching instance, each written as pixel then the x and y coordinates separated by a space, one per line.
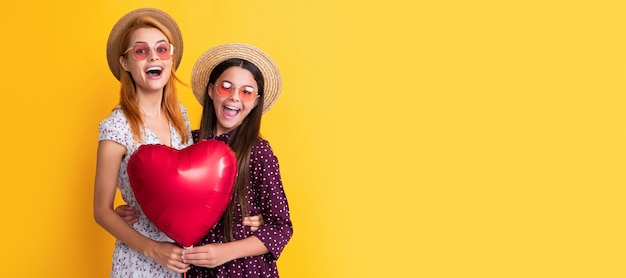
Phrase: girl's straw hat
pixel 212 57
pixel 124 23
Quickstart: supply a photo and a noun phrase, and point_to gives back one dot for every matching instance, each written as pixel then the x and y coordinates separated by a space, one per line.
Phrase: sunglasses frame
pixel 171 52
pixel 233 89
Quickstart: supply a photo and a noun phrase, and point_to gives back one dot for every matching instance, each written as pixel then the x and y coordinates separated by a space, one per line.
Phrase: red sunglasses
pixel 141 50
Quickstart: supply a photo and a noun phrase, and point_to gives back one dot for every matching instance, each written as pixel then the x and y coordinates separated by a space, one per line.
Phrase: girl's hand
pixel 130 215
pixel 254 222
pixel 208 255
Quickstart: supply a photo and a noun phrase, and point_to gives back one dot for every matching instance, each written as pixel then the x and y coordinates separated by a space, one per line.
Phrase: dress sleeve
pixel 116 128
pixel 266 180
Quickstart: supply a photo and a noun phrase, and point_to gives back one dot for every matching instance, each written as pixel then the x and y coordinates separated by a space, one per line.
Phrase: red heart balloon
pixel 183 192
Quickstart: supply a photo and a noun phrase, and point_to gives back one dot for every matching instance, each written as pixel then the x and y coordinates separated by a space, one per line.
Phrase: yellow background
pixel 416 138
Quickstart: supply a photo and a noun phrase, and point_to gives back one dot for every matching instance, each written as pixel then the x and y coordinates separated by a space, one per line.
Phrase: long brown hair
pixel 128 92
pixel 241 139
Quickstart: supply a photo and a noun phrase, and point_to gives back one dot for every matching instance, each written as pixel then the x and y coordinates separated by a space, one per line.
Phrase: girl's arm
pixel 109 159
pixel 271 199
pixel 130 215
pixel 213 255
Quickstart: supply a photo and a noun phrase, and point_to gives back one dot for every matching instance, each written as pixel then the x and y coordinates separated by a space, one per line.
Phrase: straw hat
pixel 128 20
pixel 212 57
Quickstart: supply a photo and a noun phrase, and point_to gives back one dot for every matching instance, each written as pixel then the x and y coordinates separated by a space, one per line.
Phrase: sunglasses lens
pixel 163 50
pixel 141 51
pixel 223 89
pixel 247 93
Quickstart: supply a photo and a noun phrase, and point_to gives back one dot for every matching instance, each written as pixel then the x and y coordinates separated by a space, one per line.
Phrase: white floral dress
pixel 127 262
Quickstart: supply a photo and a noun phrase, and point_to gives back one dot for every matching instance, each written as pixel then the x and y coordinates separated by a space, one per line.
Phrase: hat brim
pixel 212 57
pixel 124 23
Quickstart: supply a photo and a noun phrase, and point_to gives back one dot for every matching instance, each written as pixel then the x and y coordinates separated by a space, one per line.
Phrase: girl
pixel 237 84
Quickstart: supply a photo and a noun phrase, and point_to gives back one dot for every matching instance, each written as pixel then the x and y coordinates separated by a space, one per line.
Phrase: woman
pixel 143 50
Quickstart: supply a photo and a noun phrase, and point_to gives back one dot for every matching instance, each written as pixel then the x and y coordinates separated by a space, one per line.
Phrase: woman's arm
pixel 109 159
pixel 131 216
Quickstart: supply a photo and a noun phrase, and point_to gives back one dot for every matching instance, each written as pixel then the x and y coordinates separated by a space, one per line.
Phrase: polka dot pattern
pixel 266 196
pixel 127 262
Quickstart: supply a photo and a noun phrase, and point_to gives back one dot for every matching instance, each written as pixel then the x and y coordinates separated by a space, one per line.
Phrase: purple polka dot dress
pixel 266 197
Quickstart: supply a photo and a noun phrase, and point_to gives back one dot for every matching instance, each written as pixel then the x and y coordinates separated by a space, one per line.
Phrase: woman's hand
pixel 254 222
pixel 165 253
pixel 169 255
pixel 130 215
